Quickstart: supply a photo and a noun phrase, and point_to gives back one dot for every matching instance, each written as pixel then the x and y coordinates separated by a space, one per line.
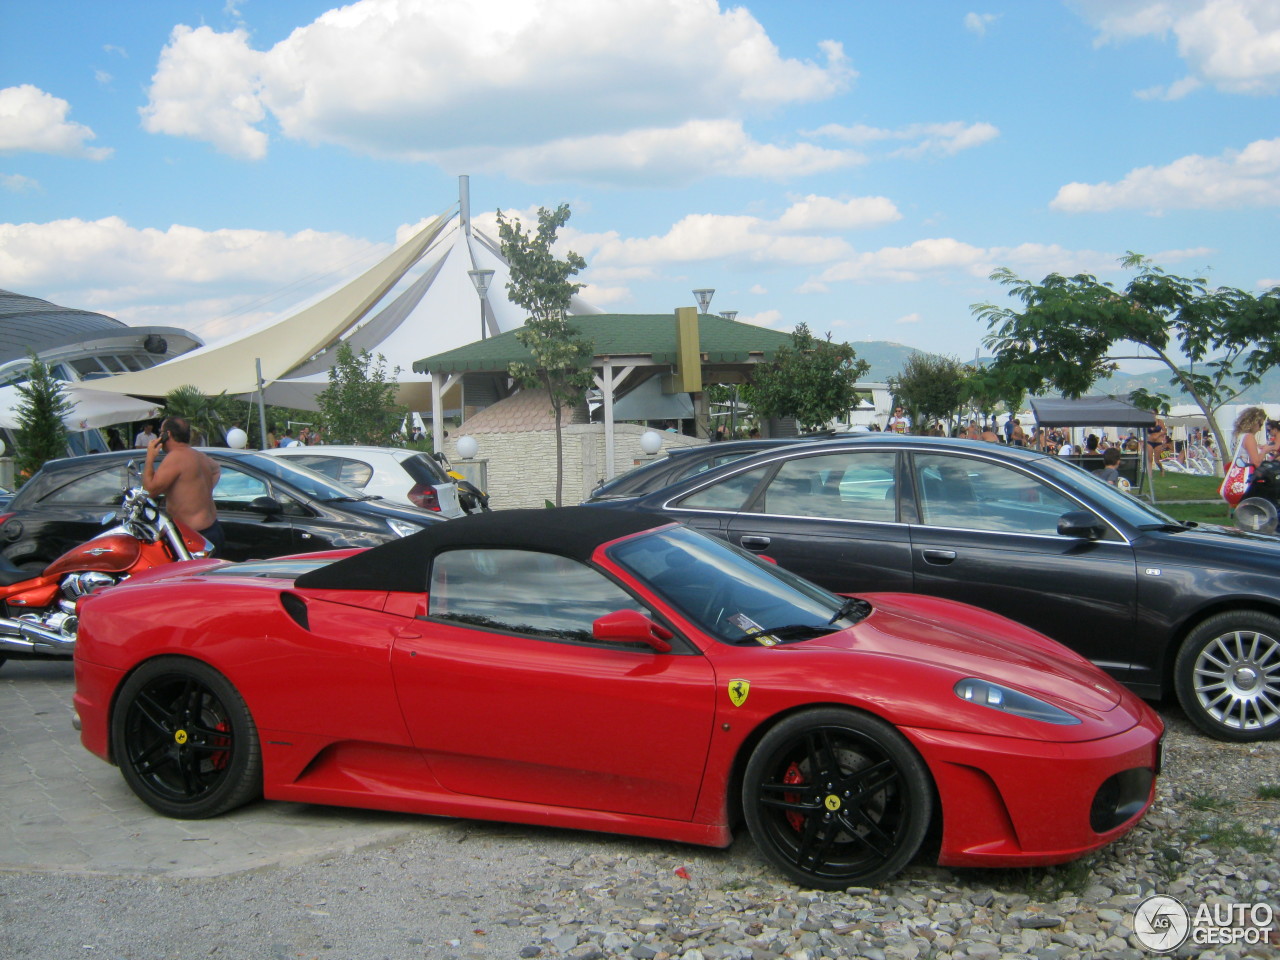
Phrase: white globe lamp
pixel 467 447
pixel 237 439
pixel 651 442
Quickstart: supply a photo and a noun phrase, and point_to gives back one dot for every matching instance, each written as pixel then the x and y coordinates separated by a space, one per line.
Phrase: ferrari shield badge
pixel 738 690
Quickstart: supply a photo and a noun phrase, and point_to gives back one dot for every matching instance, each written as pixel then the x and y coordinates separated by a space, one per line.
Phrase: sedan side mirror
pixel 630 626
pixel 268 505
pixel 1081 524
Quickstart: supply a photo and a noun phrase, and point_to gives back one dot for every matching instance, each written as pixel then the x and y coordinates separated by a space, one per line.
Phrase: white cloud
pixel 765 318
pixel 435 80
pixel 978 22
pixel 758 290
pixel 699 148
pixel 1232 44
pixel 108 262
pixel 207 86
pixel 1174 91
pixel 938 257
pixel 945 139
pixel 909 318
pixel 1237 178
pixel 827 213
pixel 602 296
pixel 17 183
pixel 34 121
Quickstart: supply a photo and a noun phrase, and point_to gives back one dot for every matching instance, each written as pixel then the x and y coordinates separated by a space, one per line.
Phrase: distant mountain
pixel 886 359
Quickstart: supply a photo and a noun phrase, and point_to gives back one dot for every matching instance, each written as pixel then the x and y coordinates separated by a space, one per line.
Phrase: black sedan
pixel 1164 606
pixel 267 506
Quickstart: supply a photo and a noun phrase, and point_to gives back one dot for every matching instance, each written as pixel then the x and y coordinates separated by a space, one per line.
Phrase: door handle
pixel 754 542
pixel 940 557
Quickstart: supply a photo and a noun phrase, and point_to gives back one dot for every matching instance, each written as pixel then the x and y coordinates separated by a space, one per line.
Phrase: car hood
pixel 972 643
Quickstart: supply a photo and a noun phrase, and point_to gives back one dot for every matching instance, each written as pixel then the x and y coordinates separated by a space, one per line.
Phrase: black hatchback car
pixel 1162 605
pixel 268 507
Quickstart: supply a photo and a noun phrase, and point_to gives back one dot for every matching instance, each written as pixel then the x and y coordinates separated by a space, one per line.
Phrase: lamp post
pixel 704 296
pixel 482 279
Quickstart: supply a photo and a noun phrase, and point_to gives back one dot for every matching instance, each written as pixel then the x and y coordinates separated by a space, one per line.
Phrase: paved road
pixel 62 810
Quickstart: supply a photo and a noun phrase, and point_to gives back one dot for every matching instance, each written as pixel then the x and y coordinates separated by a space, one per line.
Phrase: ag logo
pixel 1161 923
pixel 180 737
pixel 738 690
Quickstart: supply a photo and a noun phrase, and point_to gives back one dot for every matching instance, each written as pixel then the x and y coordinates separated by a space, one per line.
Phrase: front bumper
pixel 1009 802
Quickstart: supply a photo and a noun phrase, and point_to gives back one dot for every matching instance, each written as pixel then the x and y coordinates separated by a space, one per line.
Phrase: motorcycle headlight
pixel 996 697
pixel 402 528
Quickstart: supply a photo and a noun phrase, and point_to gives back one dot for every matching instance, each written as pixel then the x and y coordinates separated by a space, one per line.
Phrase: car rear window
pixel 354 473
pixel 425 470
pixel 103 487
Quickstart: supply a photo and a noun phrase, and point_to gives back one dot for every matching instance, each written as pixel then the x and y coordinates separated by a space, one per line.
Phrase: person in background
pixel 114 440
pixel 899 422
pixel 1110 463
pixel 145 435
pixel 989 433
pixel 1019 436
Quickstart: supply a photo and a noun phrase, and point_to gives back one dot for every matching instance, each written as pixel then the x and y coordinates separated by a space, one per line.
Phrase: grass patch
pixel 1223 834
pixel 1208 803
pixel 1269 791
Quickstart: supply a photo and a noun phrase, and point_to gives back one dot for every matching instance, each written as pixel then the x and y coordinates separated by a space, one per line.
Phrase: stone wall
pixel 521 466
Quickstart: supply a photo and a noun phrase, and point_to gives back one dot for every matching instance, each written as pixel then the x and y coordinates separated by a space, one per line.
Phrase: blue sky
pixel 857 166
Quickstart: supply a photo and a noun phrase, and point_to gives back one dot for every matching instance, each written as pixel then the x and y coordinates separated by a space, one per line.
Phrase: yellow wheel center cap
pixel 832 802
pixel 180 736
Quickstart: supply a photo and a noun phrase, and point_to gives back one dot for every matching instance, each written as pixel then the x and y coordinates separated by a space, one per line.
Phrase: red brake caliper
pixel 793 775
pixel 219 760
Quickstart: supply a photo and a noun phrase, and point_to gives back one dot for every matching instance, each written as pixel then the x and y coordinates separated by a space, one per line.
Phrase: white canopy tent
pixel 90 409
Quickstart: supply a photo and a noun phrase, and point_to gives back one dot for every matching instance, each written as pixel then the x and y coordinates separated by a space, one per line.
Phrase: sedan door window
pixel 525 592
pixel 973 494
pixel 839 486
pixel 728 494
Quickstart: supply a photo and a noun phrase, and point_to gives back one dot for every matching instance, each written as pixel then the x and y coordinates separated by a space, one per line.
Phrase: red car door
pixel 508 697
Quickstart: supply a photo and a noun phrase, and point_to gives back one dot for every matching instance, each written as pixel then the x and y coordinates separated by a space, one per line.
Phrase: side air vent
pixel 295 607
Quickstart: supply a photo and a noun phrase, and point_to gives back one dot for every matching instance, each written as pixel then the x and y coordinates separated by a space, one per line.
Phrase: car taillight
pixel 424 496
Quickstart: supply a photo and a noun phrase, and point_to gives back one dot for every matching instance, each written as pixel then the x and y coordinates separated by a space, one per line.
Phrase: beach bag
pixel 1238 477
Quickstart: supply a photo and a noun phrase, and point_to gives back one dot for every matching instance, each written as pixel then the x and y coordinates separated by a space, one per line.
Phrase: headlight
pixel 996 697
pixel 402 528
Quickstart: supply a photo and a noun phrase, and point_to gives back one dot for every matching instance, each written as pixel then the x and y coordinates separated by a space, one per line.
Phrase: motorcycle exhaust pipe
pixel 24 636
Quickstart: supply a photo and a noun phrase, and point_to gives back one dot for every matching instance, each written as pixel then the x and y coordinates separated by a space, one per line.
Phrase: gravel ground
pixel 461 889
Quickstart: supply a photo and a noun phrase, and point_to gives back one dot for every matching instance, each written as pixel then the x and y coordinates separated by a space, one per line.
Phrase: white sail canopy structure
pixel 425 313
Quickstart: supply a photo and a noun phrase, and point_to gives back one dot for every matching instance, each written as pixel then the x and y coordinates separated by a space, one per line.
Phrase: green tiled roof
pixel 622 335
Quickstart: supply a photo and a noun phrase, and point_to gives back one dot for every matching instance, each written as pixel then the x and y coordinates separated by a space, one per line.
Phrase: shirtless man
pixel 186 477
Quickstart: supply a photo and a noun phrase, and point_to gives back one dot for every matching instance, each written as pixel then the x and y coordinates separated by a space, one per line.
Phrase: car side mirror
pixel 630 626
pixel 267 505
pixel 1081 524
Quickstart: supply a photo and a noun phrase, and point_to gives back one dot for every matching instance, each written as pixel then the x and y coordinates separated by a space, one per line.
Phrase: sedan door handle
pixel 940 557
pixel 754 543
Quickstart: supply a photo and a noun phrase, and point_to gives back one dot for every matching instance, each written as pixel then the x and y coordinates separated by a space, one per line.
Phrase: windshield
pixel 727 592
pixel 314 485
pixel 1130 509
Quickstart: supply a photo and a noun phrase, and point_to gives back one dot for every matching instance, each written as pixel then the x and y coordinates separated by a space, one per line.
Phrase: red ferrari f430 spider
pixel 610 671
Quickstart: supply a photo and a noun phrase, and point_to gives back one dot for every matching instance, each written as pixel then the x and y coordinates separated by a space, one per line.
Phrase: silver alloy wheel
pixel 1237 680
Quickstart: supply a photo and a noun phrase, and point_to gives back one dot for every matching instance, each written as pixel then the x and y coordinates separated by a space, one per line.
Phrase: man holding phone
pixel 186 477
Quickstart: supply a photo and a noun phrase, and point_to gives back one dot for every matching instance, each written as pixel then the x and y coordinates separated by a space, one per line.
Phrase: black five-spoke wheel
pixel 836 798
pixel 184 739
pixel 1228 676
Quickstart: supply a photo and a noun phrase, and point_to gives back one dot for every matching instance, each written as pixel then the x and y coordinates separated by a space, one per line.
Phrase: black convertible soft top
pixel 402 565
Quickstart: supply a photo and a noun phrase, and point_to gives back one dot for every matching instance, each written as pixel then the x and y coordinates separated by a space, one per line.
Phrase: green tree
pixel 1064 334
pixel 210 416
pixel 812 380
pixel 931 388
pixel 560 359
pixel 359 405
pixel 42 435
